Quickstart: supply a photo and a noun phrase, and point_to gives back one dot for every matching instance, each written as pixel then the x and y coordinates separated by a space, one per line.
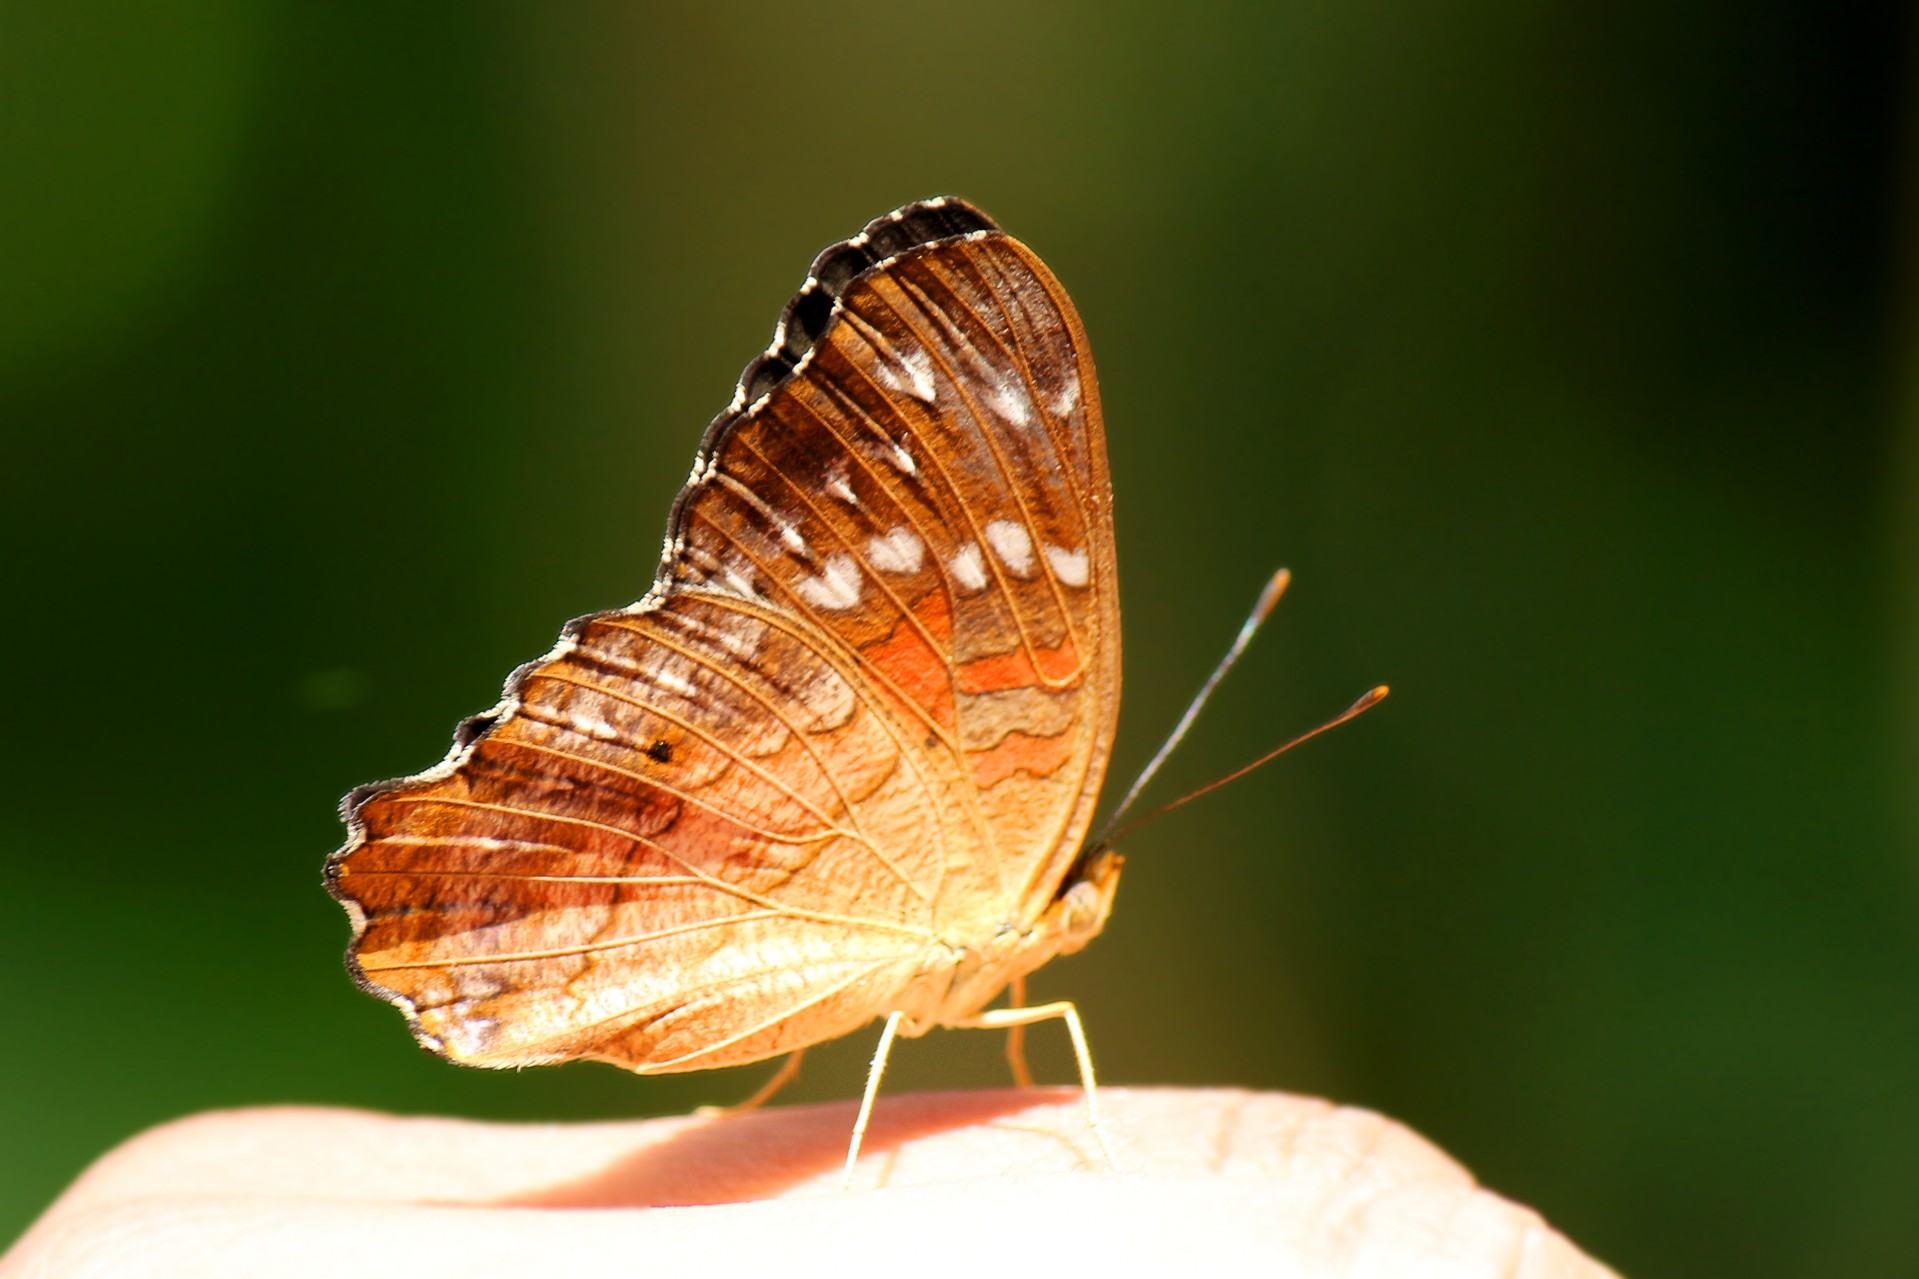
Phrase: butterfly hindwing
pixel 862 716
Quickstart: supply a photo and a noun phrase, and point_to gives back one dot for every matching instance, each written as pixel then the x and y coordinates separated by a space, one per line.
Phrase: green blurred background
pixel 347 349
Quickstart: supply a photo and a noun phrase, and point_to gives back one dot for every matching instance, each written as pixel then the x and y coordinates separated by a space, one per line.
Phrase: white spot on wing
pixel 838 484
pixel 737 574
pixel 969 569
pixel 1066 399
pixel 1070 567
pixel 903 460
pixel 778 521
pixel 1008 399
pixel 673 682
pixel 900 551
pixel 594 726
pixel 836 588
pixel 472 1035
pixel 701 563
pixel 1014 546
pixel 908 370
pixel 742 638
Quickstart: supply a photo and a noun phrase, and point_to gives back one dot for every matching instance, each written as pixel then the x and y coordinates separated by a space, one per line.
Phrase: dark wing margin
pixel 805 318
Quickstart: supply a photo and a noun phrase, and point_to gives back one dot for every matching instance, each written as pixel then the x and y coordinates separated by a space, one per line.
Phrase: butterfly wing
pixel 859 722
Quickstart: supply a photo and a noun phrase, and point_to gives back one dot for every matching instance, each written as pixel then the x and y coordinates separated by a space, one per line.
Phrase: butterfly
pixel 839 762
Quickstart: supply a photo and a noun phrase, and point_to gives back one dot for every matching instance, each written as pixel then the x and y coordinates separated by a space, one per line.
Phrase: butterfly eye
pixel 1083 908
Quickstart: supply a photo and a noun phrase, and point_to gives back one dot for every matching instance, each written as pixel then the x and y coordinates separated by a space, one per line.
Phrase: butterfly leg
pixel 1007 1018
pixel 880 1055
pixel 1016 1036
pixel 781 1078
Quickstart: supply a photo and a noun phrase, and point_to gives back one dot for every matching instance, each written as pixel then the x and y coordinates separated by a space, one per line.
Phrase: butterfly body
pixel 839 761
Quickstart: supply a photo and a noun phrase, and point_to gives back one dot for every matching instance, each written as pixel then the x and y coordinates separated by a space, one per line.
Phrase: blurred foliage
pixel 345 350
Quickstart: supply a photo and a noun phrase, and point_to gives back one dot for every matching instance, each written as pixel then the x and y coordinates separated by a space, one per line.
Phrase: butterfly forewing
pixel 858 725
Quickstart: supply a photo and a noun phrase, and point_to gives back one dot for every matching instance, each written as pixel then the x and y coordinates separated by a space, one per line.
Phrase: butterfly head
pixel 1086 897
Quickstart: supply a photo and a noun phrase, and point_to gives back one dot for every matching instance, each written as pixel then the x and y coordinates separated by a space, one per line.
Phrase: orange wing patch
pixel 918 669
pixel 1017 752
pixel 1015 669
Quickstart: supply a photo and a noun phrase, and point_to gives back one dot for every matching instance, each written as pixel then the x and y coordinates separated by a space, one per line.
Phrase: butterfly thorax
pixel 977 970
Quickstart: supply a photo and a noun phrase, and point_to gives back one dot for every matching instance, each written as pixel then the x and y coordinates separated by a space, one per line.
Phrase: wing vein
pixel 710 739
pixel 684 796
pixel 737 890
pixel 937 317
pixel 584 948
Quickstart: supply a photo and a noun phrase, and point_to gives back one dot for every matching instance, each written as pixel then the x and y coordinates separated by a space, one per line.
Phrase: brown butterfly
pixel 839 762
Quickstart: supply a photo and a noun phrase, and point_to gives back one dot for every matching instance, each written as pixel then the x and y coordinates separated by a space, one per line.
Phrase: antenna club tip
pixel 1367 700
pixel 1269 597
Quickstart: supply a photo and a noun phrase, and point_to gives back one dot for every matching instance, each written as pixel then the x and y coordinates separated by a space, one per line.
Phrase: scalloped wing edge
pixel 807 317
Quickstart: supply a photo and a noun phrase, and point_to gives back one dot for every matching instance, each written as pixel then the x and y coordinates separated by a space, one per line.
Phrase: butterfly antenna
pixel 1268 598
pixel 1367 700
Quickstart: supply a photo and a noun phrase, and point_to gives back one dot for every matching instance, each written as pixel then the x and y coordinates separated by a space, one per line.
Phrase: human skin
pixel 984 1183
